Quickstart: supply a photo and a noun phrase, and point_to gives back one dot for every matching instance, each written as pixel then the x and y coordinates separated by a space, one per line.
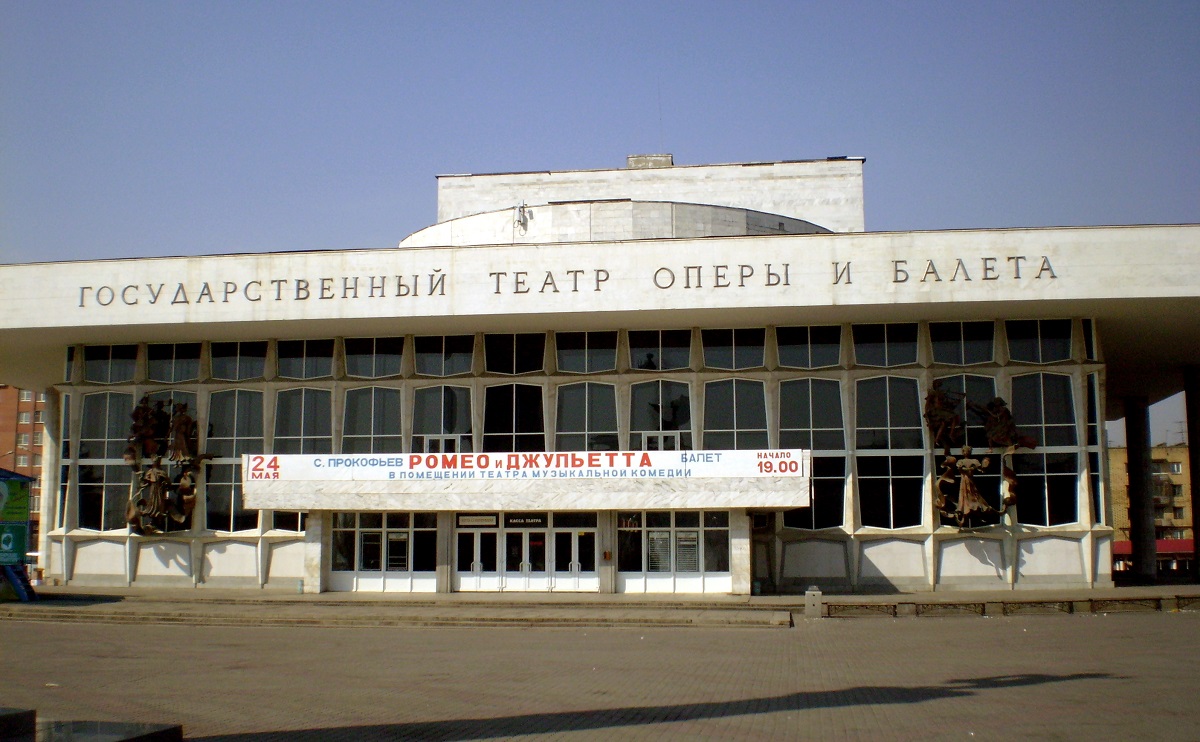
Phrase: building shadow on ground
pixel 633 716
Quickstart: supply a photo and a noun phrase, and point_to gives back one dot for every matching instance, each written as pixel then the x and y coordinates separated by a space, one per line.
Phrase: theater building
pixel 651 379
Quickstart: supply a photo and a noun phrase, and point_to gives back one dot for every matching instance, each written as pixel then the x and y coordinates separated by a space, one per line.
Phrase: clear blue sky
pixel 183 128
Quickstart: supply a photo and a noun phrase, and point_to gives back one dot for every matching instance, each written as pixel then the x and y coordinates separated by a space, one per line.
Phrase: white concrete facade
pixel 484 280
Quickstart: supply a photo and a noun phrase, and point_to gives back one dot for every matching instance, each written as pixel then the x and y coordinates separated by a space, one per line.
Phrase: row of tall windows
pixel 804 347
pixel 886 436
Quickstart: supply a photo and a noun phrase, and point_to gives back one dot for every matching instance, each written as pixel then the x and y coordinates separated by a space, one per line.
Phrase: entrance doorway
pixel 526 552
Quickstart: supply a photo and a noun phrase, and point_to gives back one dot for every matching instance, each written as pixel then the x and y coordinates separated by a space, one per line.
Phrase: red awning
pixel 1172 546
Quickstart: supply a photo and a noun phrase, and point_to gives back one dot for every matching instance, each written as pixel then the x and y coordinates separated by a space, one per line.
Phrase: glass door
pixel 477 566
pixel 525 561
pixel 575 560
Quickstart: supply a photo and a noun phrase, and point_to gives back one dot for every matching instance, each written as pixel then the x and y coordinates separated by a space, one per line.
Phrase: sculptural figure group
pixel 155 494
pixel 947 431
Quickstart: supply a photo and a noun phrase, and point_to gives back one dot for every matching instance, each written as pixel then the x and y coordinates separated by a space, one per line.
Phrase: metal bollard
pixel 813 607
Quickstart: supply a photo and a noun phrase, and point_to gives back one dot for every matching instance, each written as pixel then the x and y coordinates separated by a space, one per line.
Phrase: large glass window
pixel 961 343
pixel 660 417
pixel 681 541
pixel 103 495
pixel 442 419
pixel 1048 485
pixel 1039 340
pixel 104 431
pixel 235 423
pixel 587 418
pixel 888 414
pixel 235 427
pixel 524 353
pixel 970 395
pixel 172 363
pixel 810 414
pixel 239 361
pixel 451 355
pixel 889 490
pixel 513 419
pixel 1044 408
pixel 109 364
pixel 586 352
pixel 660 350
pixel 885 345
pixel 303 421
pixel 373 358
pixel 734 350
pixel 809 347
pixel 371 421
pixel 828 499
pixel 104 478
pixel 384 542
pixel 305 359
pixel 735 415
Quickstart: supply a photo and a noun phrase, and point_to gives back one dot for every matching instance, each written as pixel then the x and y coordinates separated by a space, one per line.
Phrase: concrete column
pixel 739 551
pixel 607 546
pixel 1141 502
pixel 445 551
pixel 316 526
pixel 1191 390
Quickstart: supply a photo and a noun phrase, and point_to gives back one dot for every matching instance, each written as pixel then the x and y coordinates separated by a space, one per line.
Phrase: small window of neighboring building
pixel 26 395
pixel 24 418
pixel 1176 467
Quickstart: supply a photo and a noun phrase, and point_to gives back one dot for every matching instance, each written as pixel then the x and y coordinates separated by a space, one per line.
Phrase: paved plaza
pixel 1101 676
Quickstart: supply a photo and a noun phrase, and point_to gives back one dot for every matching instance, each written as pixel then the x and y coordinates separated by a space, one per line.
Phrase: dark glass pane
pixel 317 413
pixel 466 551
pixel 644 406
pixel 343 551
pixel 826 404
pixel 906 438
pixel 644 350
pixel 874 502
pixel 676 349
pixel 901 344
pixel 498 409
pixel 529 417
pixel 424 551
pixel 460 350
pixel 224 360
pixel 753 440
pixel 1023 340
pixel 386 412
pixel 908 466
pixel 676 410
pixel 572 351
pixel 498 353
pixel 1089 340
pixel 716 551
pixel 718 348
pixel 828 440
pixel 530 353
pixel 318 362
pixel 428 352
pixel 1056 340
pixel 658 519
pixel 574 520
pixel 906 502
pixel 946 338
pixel 977 342
pixel 750 404
pixel 1027 401
pixel 794 404
pixel 602 351
pixel 1059 399
pixel 687 519
pixel 716 519
pixel 289 411
pixel 285 520
pixel 587 552
pixel 291 358
pixel 828 497
pixel 792 344
pixel 871 405
pixel 572 408
pixel 825 345
pixel 360 357
pixel 795 439
pixel 748 348
pixel 629 551
pixel 869 345
pixel 904 403
pixel 602 407
pixel 371 552
pixel 873 466
pixel 718 405
pixel 720 441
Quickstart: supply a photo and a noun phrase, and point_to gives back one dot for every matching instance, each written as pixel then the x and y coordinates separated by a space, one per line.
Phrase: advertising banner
pixel 610 465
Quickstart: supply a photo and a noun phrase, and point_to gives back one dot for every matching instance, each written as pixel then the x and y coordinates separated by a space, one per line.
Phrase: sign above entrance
pixel 570 465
